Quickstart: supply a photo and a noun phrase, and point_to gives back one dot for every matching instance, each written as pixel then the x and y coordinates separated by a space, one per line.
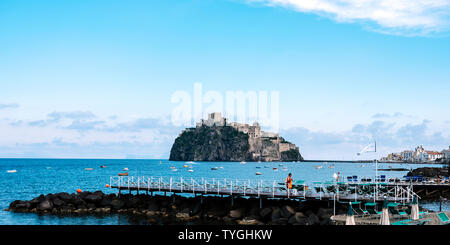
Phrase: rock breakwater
pixel 158 209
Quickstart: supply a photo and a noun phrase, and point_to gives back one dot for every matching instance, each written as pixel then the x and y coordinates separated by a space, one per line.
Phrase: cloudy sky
pixel 94 79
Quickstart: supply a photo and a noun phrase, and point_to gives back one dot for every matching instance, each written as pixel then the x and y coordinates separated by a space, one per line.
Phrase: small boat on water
pixel 362 166
pixel 221 167
pixel 258 173
pixel 191 170
pixel 284 169
pixel 185 166
pixel 331 166
pixel 123 174
pixel 281 165
pixel 266 166
pixel 243 162
pixel 215 168
pixel 190 162
pixel 11 171
pixel 88 169
pixel 258 167
pixel 318 167
pixel 174 169
pixel 103 166
pixel 125 169
pixel 275 169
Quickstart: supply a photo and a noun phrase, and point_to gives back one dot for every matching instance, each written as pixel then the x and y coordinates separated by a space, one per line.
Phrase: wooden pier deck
pixel 340 191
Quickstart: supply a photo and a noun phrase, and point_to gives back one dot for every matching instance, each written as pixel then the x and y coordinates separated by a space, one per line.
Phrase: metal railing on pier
pixel 269 189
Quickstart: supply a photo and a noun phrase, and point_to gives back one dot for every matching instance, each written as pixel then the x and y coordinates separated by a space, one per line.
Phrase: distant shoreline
pixel 369 161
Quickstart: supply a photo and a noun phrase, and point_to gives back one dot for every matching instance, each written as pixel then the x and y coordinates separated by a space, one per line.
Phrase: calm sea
pixel 43 176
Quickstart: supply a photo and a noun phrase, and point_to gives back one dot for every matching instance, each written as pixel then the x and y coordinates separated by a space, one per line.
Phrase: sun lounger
pixel 443 218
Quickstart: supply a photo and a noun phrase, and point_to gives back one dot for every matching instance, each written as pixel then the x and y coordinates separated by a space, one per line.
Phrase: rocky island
pixel 215 139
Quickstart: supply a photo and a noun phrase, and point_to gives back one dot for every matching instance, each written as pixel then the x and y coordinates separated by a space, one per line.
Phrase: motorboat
pixel 88 169
pixel 11 171
pixel 103 166
pixel 258 173
pixel 191 170
pixel 185 166
pixel 318 167
pixel 174 169
pixel 215 168
pixel 275 169
pixel 243 162
pixel 123 174
pixel 125 169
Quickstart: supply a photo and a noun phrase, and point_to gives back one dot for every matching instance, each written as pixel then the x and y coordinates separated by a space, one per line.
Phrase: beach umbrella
pixel 415 209
pixel 350 220
pixel 384 219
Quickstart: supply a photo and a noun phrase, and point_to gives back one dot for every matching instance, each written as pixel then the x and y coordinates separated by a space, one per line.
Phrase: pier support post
pixel 260 202
pixel 232 200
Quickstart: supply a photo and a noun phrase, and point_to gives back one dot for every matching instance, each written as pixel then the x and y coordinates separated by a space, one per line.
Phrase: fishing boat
pixel 11 171
pixel 215 168
pixel 88 169
pixel 123 174
pixel 125 169
pixel 258 173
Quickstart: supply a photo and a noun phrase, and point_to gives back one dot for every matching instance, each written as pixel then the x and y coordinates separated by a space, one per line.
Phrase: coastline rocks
pixel 180 210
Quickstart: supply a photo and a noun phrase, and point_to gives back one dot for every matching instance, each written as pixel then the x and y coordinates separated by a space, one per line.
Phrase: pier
pixel 326 191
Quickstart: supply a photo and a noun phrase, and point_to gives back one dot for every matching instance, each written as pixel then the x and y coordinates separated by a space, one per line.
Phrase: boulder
pixel 276 214
pixel 287 211
pixel 265 213
pixel 236 213
pixel 299 216
pixel 313 219
pixel 153 206
pixel 58 202
pixel 117 204
pixel 64 196
pixel 196 208
pixel 93 198
pixel 324 214
pixel 45 205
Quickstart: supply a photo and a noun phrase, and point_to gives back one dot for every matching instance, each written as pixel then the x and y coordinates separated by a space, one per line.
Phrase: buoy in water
pixel 78 190
pixel 107 186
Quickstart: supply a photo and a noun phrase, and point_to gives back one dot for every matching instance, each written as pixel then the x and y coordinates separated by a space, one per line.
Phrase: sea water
pixel 43 176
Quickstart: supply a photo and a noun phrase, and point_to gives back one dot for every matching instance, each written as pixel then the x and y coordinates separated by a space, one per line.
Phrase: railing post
pixel 231 188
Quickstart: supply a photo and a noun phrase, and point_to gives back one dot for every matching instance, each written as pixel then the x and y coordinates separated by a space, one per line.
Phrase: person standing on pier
pixel 289 182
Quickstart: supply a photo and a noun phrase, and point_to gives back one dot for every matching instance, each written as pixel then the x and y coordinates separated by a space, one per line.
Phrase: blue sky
pixel 95 78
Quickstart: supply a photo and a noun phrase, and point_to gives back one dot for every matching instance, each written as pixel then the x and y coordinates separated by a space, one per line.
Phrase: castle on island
pixel 263 146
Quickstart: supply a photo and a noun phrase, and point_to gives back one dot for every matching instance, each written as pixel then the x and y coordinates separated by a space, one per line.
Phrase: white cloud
pixel 400 17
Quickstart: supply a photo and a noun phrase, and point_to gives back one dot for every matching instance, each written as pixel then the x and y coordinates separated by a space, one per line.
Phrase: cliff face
pixel 218 143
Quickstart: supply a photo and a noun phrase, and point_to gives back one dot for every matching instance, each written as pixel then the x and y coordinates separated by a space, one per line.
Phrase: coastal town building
pixel 419 155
